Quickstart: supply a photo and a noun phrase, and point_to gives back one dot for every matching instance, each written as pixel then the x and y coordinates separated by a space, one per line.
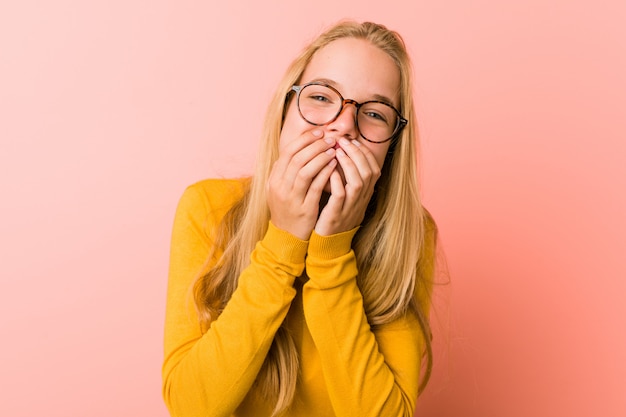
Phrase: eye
pixel 375 115
pixel 319 97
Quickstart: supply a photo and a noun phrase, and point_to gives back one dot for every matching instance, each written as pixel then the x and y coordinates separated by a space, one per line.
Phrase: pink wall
pixel 109 108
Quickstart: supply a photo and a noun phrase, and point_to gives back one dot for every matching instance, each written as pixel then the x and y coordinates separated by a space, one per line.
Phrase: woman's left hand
pixel 347 203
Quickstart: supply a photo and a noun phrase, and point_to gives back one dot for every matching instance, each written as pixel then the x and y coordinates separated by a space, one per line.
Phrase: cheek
pixel 292 125
pixel 379 152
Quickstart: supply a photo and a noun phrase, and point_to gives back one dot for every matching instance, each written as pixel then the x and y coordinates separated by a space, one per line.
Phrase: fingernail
pixel 317 132
pixel 330 141
pixel 344 141
pixel 356 143
pixel 330 151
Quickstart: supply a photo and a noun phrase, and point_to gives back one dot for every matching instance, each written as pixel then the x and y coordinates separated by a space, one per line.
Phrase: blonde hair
pixel 395 220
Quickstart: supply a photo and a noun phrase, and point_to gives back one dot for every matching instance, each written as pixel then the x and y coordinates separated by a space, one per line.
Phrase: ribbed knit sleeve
pixel 209 374
pixel 367 373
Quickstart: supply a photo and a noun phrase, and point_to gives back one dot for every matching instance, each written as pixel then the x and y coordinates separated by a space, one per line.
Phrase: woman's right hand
pixel 297 181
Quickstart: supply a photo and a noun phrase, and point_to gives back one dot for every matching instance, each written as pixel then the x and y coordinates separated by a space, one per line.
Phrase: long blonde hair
pixel 395 221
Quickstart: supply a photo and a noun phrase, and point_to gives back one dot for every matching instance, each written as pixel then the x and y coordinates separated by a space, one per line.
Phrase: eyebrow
pixel 376 97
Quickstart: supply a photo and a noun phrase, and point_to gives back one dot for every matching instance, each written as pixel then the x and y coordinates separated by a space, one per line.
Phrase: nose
pixel 344 124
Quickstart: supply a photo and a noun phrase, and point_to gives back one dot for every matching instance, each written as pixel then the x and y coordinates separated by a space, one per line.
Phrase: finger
pixel 307 174
pixel 371 159
pixel 364 160
pixel 287 152
pixel 331 217
pixel 284 171
pixel 314 194
pixel 354 181
pixel 337 193
pixel 307 155
pixel 295 145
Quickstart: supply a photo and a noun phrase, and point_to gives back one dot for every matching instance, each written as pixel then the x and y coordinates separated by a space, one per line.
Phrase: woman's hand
pixel 347 203
pixel 297 180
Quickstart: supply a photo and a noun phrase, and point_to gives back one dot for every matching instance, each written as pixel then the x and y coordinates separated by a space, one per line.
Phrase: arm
pixel 367 373
pixel 210 373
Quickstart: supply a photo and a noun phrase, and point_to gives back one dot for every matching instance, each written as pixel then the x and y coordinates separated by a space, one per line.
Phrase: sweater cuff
pixel 283 245
pixel 333 246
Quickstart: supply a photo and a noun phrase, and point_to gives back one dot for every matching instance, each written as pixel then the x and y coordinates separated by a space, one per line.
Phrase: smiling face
pixel 359 71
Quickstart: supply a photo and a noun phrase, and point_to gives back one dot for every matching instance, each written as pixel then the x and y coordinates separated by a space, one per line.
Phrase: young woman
pixel 304 290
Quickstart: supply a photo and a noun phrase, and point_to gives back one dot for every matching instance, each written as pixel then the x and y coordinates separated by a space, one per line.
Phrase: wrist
pixel 284 244
pixel 331 246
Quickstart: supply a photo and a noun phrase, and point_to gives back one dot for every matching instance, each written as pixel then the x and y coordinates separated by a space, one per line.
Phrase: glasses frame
pixel 400 124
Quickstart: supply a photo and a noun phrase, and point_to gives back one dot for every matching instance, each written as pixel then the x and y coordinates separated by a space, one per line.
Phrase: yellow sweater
pixel 346 369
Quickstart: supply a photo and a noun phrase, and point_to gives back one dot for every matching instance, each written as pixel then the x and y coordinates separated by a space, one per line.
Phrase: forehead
pixel 357 68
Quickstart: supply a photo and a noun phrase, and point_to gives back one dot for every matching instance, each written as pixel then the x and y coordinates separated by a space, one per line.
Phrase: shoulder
pixel 216 193
pixel 211 198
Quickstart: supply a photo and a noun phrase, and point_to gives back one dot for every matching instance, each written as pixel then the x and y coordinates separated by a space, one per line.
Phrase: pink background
pixel 108 109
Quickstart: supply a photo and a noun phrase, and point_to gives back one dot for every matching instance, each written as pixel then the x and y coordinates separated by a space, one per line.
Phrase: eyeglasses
pixel 320 104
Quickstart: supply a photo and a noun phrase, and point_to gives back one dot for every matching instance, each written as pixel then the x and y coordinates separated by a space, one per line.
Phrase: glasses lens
pixel 319 104
pixel 377 121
